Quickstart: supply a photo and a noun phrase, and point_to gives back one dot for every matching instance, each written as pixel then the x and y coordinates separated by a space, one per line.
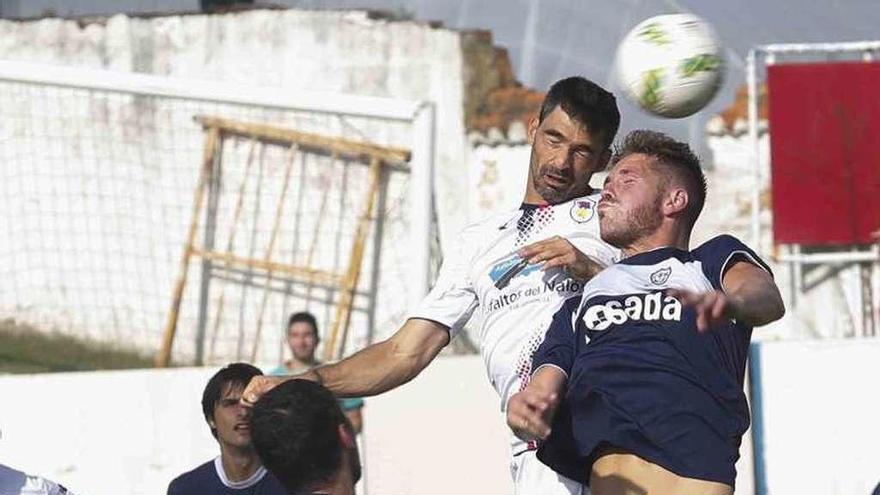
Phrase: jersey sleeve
pixel 558 348
pixel 175 488
pixel 351 403
pixel 599 251
pixel 720 253
pixel 453 299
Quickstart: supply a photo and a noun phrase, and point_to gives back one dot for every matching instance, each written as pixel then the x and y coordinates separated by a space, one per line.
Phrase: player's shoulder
pixel 194 481
pixel 475 236
pixel 494 221
pixel 723 242
pixel 723 248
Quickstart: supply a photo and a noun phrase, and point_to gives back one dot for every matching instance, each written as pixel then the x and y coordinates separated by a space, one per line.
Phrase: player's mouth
pixel 555 181
pixel 242 428
pixel 604 205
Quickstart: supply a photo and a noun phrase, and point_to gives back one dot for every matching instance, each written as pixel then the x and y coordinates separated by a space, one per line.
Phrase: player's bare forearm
pixel 750 297
pixel 549 379
pixel 559 252
pixel 387 364
pixel 375 369
pixel 530 412
pixel 755 299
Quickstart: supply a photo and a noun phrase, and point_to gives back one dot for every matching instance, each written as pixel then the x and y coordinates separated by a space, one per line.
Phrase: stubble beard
pixel 555 196
pixel 640 222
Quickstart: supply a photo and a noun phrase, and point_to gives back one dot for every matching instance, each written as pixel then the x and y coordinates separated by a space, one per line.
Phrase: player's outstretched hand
pixel 713 308
pixel 258 386
pixel 530 412
pixel 559 252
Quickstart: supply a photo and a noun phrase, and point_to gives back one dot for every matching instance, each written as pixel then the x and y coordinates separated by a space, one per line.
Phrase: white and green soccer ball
pixel 670 65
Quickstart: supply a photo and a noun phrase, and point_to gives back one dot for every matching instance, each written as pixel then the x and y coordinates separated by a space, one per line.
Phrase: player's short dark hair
pixel 677 157
pixel 586 102
pixel 294 428
pixel 304 317
pixel 231 375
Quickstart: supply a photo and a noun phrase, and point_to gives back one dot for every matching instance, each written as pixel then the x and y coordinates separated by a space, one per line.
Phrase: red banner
pixel 825 152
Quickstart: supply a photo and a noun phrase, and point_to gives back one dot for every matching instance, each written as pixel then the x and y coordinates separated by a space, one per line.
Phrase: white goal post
pixel 84 149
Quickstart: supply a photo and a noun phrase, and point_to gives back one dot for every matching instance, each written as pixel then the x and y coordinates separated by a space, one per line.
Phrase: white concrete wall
pixel 101 190
pixel 131 432
pixel 830 307
pixel 818 416
pixel 333 51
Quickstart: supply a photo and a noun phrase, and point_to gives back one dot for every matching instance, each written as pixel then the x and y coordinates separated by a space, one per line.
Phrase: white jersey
pixel 516 301
pixel 14 482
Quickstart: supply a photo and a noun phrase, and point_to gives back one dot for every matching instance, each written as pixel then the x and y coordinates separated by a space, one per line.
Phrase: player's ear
pixel 346 435
pixel 533 129
pixel 676 202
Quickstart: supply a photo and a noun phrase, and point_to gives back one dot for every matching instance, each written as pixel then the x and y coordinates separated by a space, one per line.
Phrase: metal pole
pixel 752 81
pixel 421 199
pixel 208 245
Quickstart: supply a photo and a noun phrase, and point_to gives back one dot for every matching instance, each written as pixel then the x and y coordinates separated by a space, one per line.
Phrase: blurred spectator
pixel 14 482
pixel 305 440
pixel 238 470
pixel 303 339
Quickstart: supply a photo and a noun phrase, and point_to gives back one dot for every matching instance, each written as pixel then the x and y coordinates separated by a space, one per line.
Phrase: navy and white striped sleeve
pixel 720 253
pixel 558 348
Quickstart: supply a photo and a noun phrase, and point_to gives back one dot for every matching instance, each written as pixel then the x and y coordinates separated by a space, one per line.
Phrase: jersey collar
pixel 238 485
pixel 657 255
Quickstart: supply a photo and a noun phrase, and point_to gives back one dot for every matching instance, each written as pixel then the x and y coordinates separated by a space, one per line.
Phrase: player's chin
pixel 555 195
pixel 243 431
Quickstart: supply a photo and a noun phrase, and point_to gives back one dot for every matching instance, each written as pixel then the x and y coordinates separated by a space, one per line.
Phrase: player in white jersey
pixel 14 482
pixel 516 268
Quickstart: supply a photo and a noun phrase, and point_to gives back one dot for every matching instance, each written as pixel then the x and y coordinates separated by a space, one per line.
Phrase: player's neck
pixel 661 238
pixel 299 364
pixel 533 198
pixel 239 464
pixel 340 484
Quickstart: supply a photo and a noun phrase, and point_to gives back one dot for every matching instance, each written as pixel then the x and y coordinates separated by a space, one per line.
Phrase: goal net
pixel 99 180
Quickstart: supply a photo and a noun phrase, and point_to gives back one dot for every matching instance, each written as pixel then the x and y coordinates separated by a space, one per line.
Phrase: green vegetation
pixel 24 349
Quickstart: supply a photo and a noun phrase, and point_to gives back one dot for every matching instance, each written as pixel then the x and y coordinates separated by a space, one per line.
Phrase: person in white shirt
pixel 15 482
pixel 517 268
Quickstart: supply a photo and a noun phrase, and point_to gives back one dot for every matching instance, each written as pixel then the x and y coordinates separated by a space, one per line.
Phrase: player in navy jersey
pixel 641 377
pixel 237 470
pixel 514 268
pixel 305 439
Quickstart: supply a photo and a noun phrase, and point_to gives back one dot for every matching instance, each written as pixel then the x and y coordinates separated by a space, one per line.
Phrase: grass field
pixel 23 349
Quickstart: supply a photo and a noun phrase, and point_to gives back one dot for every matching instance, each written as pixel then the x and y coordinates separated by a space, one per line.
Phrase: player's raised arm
pixel 744 287
pixel 756 298
pixel 750 297
pixel 374 369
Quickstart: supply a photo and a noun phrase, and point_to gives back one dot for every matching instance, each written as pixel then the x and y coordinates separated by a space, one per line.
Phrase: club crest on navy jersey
pixel 661 276
pixel 583 210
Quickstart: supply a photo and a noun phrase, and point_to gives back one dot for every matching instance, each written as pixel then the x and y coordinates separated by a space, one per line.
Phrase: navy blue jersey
pixel 209 479
pixel 640 376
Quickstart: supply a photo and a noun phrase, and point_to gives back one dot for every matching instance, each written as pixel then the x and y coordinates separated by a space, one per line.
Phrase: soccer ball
pixel 670 65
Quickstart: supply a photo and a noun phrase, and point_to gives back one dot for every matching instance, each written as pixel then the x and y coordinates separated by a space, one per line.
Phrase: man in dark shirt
pixel 238 470
pixel 305 440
